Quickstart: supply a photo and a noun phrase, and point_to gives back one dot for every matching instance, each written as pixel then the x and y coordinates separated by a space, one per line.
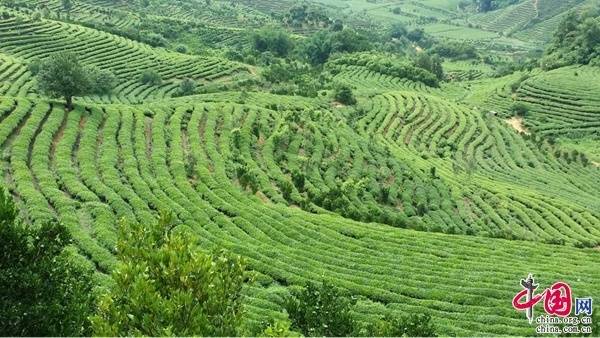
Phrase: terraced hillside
pixel 96 164
pixel 24 40
pixel 529 20
pixel 563 102
pixel 420 199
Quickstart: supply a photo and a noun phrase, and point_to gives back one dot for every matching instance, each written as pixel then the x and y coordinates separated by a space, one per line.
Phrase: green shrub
pixel 181 49
pixel 102 81
pixel 279 328
pixel 343 94
pixel 414 325
pixel 186 87
pixel 34 66
pixel 151 77
pixel 321 310
pixel 519 109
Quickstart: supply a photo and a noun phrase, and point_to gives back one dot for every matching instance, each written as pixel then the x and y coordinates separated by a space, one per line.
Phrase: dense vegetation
pixel 329 167
pixel 165 286
pixel 46 289
pixel 576 41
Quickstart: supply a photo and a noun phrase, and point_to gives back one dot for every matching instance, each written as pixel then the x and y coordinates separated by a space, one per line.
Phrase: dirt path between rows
pixel 517 124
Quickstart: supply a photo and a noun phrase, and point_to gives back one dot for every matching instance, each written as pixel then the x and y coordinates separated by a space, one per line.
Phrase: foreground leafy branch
pixel 45 288
pixel 165 286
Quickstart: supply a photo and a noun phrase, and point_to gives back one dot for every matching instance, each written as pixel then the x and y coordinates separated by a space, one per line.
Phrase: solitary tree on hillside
pixel 61 75
pixel 344 95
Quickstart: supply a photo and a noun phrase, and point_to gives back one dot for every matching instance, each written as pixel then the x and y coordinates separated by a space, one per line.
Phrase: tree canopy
pixel 576 40
pixel 165 286
pixel 275 41
pixel 321 310
pixel 45 288
pixel 62 75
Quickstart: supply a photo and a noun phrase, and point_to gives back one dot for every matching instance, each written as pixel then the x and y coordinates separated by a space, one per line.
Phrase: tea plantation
pixel 428 195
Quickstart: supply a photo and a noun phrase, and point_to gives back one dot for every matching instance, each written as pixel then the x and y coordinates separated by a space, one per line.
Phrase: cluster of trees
pixel 316 49
pixel 320 46
pixel 455 50
pixel 319 310
pixel 417 35
pixel 504 67
pixel 293 77
pixel 303 15
pixel 276 41
pixel 45 290
pixel 62 75
pixel 398 67
pixel 294 67
pixel 576 40
pixel 163 285
pixel 486 5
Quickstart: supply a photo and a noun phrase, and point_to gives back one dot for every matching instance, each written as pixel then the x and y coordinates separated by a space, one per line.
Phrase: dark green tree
pixel 187 87
pixel 485 5
pixel 67 5
pixel 398 30
pixel 337 26
pixel 519 109
pixel 45 288
pixel 101 81
pixel 151 77
pixel 34 66
pixel 317 48
pixel 436 67
pixel 165 286
pixel 433 64
pixel 61 75
pixel 349 41
pixel 416 35
pixel 275 41
pixel 343 94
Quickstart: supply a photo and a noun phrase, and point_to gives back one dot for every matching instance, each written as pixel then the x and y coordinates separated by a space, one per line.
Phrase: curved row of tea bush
pixel 94 165
pixel 27 40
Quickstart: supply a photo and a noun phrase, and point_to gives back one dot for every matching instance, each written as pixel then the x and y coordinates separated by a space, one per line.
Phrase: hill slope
pixel 420 199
